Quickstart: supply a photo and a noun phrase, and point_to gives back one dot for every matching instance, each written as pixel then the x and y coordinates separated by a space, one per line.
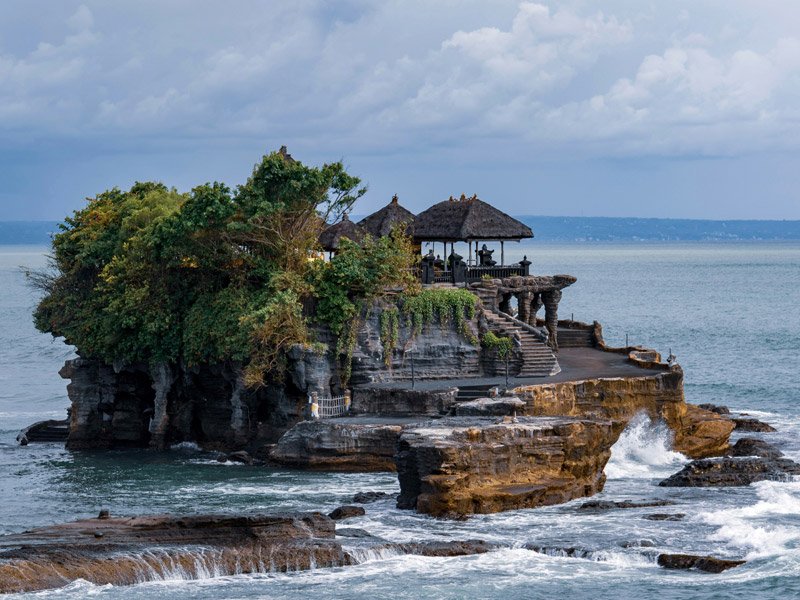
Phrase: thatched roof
pixel 380 223
pixel 467 219
pixel 330 236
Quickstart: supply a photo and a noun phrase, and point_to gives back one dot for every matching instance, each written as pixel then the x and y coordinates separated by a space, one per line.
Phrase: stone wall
pixel 439 352
pixel 394 402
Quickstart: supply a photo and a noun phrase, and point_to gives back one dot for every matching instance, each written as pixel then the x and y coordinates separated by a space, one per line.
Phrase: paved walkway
pixel 576 364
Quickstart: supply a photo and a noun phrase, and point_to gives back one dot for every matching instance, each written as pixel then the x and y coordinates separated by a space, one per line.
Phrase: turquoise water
pixel 728 311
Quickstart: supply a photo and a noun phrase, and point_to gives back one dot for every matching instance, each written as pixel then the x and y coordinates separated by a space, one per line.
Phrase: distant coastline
pixel 549 229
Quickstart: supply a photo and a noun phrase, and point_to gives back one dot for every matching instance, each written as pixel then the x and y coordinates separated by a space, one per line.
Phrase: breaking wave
pixel 643 451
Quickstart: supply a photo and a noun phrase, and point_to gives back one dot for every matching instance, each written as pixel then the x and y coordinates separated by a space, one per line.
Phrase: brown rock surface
pixel 698 433
pixel 120 551
pixel 461 465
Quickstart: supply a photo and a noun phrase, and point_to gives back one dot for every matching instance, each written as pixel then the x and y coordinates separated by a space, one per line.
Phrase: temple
pixel 508 291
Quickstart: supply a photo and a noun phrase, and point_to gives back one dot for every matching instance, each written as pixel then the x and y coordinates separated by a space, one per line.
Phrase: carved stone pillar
pixel 536 305
pixel 551 300
pixel 163 378
pixel 523 306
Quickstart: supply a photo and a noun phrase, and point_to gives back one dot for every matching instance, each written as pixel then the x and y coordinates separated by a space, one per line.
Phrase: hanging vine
pixel 390 332
pixel 455 306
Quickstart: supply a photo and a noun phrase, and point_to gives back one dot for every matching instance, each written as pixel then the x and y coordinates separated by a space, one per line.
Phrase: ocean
pixel 728 311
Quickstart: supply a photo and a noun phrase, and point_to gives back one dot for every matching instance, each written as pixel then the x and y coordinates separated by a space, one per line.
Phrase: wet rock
pixel 715 408
pixel 403 402
pixel 450 548
pixel 346 512
pixel 240 456
pixel 754 447
pixel 665 517
pixel 119 551
pixel 638 544
pixel 466 465
pixel 610 505
pixel 353 532
pixel 752 425
pixel 730 472
pixel 104 514
pixel 369 497
pixel 709 564
pixel 489 407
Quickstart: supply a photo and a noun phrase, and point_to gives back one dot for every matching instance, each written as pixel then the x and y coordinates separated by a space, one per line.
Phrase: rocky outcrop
pixel 123 551
pixel 346 512
pixel 399 402
pixel 136 406
pixel 732 472
pixel 709 564
pixel 346 444
pixel 598 505
pixel 460 465
pixel 754 447
pixel 698 433
pixel 752 425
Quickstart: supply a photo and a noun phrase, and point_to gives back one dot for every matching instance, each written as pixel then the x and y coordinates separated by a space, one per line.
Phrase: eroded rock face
pixel 460 465
pixel 134 407
pixel 732 472
pixel 338 445
pixel 698 433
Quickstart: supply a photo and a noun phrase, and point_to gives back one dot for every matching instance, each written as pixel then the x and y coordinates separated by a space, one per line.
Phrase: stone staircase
pixel 575 338
pixel 471 392
pixel 538 359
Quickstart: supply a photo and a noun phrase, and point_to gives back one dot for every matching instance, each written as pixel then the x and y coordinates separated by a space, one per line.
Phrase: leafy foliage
pixel 447 305
pixel 504 346
pixel 153 275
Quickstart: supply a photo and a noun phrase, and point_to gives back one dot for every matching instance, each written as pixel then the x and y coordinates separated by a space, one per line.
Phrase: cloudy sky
pixel 578 107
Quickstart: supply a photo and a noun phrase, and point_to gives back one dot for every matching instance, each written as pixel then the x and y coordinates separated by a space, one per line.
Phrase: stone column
pixel 536 305
pixel 162 383
pixel 551 300
pixel 524 306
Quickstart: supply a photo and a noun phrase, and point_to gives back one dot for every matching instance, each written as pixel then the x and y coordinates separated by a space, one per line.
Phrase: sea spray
pixel 643 450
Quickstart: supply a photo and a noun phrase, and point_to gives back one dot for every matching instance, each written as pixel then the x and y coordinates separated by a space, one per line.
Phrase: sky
pixel 674 108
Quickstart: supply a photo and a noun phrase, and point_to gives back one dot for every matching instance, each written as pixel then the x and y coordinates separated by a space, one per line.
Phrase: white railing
pixel 325 408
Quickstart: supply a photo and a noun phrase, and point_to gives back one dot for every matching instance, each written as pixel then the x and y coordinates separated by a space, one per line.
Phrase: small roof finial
pixel 463 197
pixel 394 199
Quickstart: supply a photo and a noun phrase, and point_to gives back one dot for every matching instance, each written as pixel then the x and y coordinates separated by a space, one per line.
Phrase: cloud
pixel 391 76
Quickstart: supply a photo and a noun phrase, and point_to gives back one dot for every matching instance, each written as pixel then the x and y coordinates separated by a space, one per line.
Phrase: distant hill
pixel 616 229
pixel 556 229
pixel 27 232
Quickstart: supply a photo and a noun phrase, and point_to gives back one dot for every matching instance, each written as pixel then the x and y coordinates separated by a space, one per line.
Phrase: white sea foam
pixel 643 450
pixel 186 446
pixel 752 528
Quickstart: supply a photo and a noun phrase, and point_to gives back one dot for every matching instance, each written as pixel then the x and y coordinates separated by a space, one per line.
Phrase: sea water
pixel 728 311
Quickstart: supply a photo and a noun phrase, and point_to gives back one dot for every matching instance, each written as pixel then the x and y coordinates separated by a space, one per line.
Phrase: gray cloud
pixel 448 81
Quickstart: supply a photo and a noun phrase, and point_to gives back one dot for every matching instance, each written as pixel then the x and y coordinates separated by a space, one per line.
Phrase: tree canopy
pixel 158 276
